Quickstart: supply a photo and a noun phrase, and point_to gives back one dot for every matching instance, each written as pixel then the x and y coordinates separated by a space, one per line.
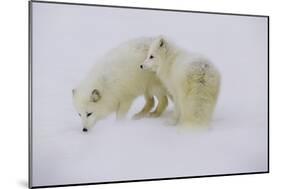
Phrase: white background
pixel 14 111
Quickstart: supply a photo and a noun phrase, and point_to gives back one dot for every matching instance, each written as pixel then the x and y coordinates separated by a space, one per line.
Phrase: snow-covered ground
pixel 68 39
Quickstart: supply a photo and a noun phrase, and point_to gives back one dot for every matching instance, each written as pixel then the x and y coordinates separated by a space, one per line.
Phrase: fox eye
pixel 89 114
pixel 79 115
pixel 151 57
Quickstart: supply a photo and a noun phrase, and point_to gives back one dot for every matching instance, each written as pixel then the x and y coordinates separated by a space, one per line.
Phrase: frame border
pixel 30 97
pixel 30 87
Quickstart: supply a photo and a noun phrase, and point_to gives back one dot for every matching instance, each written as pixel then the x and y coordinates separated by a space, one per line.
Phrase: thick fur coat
pixel 192 80
pixel 115 81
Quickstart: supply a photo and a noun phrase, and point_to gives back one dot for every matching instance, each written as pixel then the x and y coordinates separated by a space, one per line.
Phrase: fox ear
pixel 161 42
pixel 73 92
pixel 95 96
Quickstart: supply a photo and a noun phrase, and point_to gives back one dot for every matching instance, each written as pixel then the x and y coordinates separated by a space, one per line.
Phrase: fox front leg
pixel 123 109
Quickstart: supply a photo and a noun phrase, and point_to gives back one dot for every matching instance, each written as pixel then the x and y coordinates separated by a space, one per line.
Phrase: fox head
pixel 87 106
pixel 156 54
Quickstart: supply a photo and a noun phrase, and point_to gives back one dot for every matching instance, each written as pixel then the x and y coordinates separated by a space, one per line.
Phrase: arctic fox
pixel 192 81
pixel 115 82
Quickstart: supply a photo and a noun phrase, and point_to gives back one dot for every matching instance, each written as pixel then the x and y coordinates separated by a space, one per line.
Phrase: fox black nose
pixel 85 129
pixel 141 66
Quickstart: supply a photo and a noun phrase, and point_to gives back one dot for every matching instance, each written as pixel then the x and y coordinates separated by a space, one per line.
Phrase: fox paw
pixel 138 116
pixel 153 114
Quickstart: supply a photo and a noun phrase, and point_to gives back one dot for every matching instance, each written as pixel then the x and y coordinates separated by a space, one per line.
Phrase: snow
pixel 66 42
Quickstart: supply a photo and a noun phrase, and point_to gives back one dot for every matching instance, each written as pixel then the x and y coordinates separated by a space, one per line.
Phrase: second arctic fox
pixel 192 81
pixel 115 82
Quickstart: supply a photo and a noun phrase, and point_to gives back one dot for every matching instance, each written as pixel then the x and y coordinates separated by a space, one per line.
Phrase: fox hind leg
pixel 161 106
pixel 149 104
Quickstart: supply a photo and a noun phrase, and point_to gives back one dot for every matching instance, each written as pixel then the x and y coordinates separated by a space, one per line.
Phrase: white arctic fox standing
pixel 115 82
pixel 192 81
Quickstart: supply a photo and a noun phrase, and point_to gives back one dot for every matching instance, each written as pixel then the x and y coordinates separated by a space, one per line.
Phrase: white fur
pixel 191 79
pixel 119 80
